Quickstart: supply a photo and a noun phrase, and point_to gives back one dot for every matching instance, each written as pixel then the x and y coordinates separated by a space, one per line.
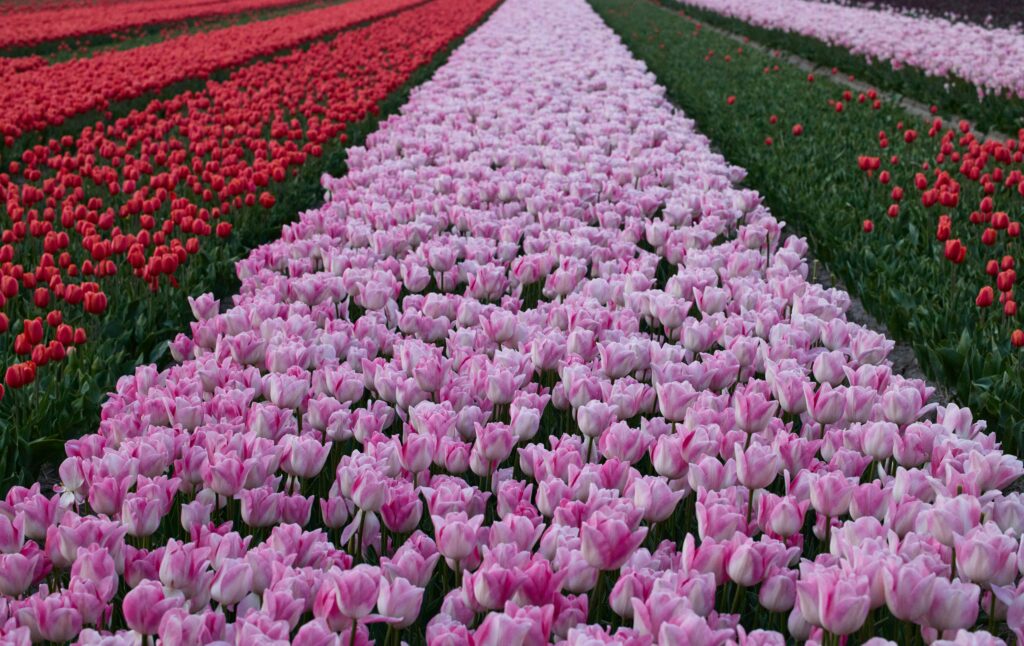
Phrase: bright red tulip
pixel 986 297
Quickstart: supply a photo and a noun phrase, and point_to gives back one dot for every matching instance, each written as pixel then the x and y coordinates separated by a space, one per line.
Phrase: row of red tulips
pixel 28 28
pixel 47 96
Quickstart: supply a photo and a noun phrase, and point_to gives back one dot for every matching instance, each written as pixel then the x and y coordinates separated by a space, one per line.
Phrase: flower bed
pixel 47 96
pixel 963 68
pixel 992 59
pixel 823 178
pixel 28 28
pixel 536 371
pixel 108 223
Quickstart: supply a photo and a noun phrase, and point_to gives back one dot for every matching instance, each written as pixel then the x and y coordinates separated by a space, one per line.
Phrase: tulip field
pixel 504 326
pixel 111 220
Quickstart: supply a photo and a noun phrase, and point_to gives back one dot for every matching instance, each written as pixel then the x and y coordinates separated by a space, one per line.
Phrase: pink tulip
pixel 674 398
pixel 456 534
pixel 654 497
pixel 879 439
pixel 902 405
pixel 909 590
pixel 954 605
pixel 831 494
pixel 837 603
pixel 753 411
pixel 757 466
pixel 986 556
pixel 400 602
pixel 232 582
pixel 145 606
pixel 595 417
pixel 826 405
pixel 778 592
pixel 608 541
pixel 17 572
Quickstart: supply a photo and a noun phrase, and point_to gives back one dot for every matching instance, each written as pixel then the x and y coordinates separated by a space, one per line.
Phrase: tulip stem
pixel 828 533
pixel 352 637
pixel 750 505
pixel 992 613
pixel 592 603
pixel 736 598
pixel 358 552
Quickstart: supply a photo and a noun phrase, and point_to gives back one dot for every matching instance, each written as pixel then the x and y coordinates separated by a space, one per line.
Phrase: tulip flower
pixel 607 542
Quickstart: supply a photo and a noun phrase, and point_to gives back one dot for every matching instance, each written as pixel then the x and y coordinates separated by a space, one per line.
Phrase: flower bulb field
pixel 505 323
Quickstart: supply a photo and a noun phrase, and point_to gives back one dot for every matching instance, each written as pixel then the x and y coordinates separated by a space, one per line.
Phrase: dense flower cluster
pixel 48 95
pixel 535 370
pixel 26 28
pixel 984 232
pixel 990 58
pixel 134 198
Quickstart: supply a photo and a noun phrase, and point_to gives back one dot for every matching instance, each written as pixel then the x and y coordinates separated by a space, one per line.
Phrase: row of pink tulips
pixel 536 372
pixel 990 58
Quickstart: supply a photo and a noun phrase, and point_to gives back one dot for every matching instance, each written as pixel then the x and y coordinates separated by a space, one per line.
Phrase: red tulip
pixel 33 329
pixel 55 350
pixel 1017 338
pixel 868 226
pixel 12 376
pixel 41 297
pixel 65 334
pixel 955 251
pixel 39 356
pixel 1006 279
pixel 8 286
pixel 986 297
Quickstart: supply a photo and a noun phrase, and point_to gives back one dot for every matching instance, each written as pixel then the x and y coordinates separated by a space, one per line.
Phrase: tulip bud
pixel 985 297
